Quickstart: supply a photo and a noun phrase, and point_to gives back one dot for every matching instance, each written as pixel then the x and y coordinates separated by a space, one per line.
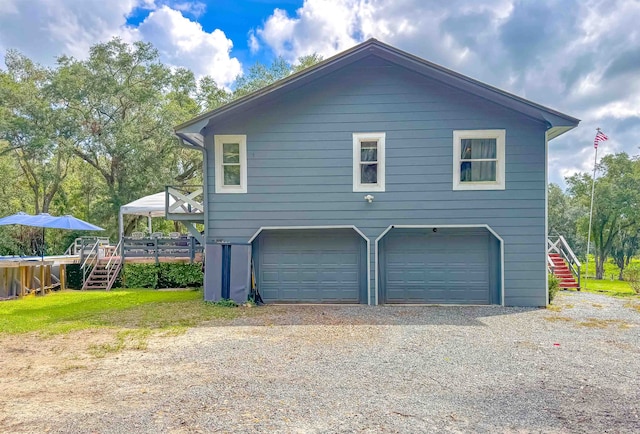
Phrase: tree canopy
pixel 616 210
pixel 86 136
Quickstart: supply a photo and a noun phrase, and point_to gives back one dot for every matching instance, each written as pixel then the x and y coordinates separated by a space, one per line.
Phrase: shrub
pixel 74 276
pixel 179 275
pixel 632 275
pixel 166 275
pixel 554 286
pixel 140 276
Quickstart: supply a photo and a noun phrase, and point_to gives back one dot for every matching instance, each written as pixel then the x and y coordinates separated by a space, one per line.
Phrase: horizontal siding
pixel 299 152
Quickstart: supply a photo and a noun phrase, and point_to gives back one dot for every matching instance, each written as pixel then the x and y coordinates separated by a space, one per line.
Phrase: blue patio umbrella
pixel 19 218
pixel 44 220
pixel 72 223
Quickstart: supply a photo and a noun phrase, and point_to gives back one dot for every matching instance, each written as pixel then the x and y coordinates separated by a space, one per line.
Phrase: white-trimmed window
pixel 478 159
pixel 368 162
pixel 231 163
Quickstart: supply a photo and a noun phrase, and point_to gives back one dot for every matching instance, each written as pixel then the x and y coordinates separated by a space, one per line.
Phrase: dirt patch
pixel 604 323
pixel 633 305
pixel 558 318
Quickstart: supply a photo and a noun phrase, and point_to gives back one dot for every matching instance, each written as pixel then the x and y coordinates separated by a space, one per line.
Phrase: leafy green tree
pixel 124 103
pixel 564 213
pixel 305 62
pixel 625 247
pixel 34 127
pixel 616 202
pixel 88 135
pixel 209 96
pixel 260 75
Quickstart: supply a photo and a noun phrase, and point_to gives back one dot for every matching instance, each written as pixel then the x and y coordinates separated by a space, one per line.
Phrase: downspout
pixel 187 142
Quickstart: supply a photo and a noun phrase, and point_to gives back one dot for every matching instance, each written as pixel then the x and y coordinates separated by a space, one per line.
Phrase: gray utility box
pixel 227 272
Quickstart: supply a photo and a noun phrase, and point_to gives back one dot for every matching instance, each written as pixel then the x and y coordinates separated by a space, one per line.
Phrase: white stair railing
pixel 89 262
pixel 113 265
pixel 560 246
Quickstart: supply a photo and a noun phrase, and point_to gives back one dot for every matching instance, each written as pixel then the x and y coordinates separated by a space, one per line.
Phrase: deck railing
pixel 157 248
pixel 79 243
pixel 184 200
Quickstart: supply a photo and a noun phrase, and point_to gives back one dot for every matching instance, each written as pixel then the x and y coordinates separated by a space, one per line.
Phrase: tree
pixel 33 125
pixel 209 96
pixel 616 202
pixel 563 216
pixel 625 247
pixel 125 103
pixel 260 75
pixel 305 62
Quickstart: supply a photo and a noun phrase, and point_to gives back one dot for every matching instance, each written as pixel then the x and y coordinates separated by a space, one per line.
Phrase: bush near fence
pixel 164 275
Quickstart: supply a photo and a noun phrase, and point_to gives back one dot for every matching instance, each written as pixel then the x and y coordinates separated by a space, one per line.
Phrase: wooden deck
pixel 22 276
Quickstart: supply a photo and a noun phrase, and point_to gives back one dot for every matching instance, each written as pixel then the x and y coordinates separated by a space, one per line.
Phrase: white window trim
pixel 500 136
pixel 218 142
pixel 357 185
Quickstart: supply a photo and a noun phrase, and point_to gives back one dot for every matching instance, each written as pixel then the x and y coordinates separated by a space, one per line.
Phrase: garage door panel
pixel 310 266
pixel 440 268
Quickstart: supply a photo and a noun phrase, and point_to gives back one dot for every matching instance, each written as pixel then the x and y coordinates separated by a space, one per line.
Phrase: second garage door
pixel 312 266
pixel 450 266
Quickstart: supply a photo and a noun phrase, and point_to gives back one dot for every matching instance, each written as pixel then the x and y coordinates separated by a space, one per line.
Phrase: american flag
pixel 600 137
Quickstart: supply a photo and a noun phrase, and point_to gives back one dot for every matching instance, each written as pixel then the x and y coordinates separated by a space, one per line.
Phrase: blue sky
pixel 235 17
pixel 581 57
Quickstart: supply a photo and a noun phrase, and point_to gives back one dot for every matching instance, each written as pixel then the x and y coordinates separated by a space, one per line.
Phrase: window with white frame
pixel 368 162
pixel 478 159
pixel 231 163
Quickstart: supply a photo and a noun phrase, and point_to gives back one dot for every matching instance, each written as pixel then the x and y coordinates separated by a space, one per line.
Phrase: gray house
pixel 377 177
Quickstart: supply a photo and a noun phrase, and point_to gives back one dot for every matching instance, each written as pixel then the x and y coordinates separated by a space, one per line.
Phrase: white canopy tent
pixel 150 206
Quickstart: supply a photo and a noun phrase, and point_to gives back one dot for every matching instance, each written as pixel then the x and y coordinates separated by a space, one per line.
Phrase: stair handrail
pixel 569 251
pixel 115 267
pixel 114 254
pixel 562 247
pixel 90 255
pixel 550 265
pixel 70 250
pixel 91 259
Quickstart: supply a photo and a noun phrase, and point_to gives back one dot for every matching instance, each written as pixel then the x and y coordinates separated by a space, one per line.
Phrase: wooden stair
pixel 102 276
pixel 561 271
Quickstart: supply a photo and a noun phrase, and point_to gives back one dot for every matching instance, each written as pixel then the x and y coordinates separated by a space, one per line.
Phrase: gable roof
pixel 558 123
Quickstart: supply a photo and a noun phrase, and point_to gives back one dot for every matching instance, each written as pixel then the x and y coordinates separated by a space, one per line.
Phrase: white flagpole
pixel 593 187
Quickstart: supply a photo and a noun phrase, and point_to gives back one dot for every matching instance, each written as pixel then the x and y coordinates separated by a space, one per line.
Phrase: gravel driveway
pixel 359 368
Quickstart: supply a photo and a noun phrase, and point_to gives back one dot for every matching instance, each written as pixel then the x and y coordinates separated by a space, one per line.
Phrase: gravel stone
pixel 389 369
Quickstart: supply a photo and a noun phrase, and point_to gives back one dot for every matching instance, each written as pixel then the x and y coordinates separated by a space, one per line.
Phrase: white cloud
pixel 320 26
pixel 182 42
pixel 72 26
pixel 195 9
pixel 254 43
pixel 43 29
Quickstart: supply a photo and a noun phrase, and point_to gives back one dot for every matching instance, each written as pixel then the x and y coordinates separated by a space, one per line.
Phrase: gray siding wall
pixel 299 151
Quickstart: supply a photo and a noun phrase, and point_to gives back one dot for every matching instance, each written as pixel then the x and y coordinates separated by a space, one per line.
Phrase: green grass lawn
pixel 609 284
pixel 61 312
pixel 612 287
